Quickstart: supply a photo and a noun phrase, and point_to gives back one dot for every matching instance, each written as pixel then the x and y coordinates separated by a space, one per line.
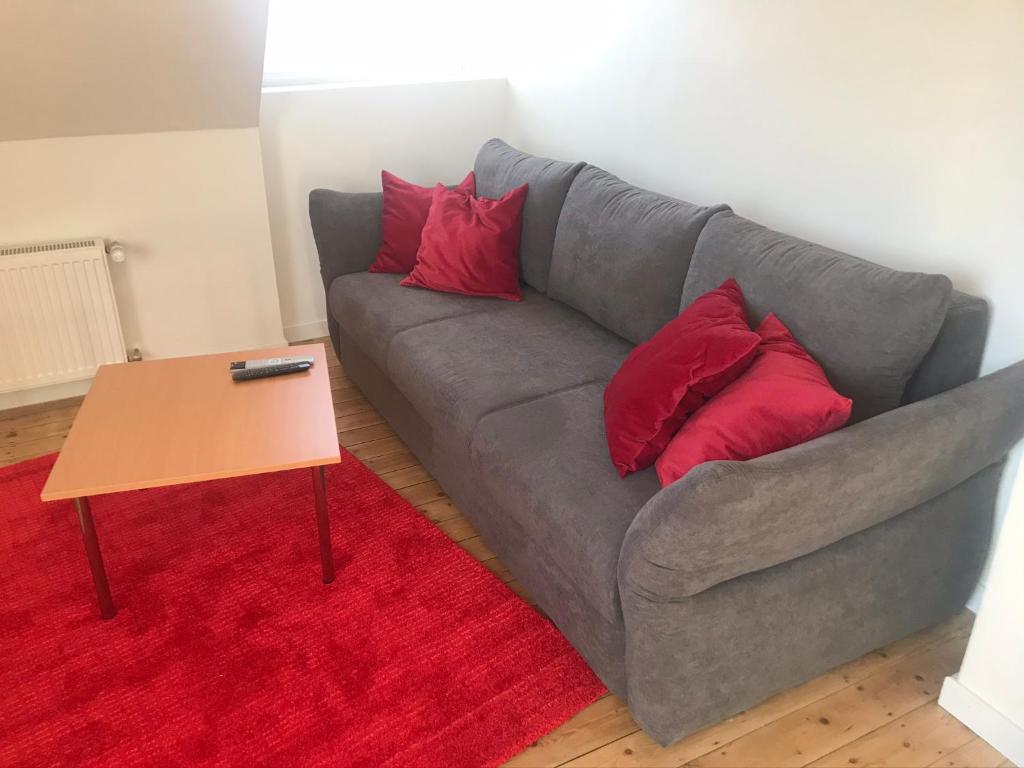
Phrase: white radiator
pixel 58 316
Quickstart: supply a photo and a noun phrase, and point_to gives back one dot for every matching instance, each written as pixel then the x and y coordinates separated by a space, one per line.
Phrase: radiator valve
pixel 116 252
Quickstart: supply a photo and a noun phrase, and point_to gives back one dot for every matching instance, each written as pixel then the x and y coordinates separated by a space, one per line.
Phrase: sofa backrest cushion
pixel 955 357
pixel 621 253
pixel 867 325
pixel 500 168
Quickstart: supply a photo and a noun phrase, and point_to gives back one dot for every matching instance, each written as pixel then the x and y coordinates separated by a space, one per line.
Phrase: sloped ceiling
pixel 87 67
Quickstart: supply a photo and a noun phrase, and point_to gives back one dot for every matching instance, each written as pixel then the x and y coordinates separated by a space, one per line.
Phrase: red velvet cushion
pixel 668 377
pixel 783 399
pixel 402 216
pixel 471 245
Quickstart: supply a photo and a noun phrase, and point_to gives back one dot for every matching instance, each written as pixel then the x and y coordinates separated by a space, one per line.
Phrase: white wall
pixel 987 693
pixel 163 99
pixel 888 130
pixel 340 138
pixel 190 209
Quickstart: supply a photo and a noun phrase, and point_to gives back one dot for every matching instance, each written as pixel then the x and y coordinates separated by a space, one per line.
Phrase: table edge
pixel 197 477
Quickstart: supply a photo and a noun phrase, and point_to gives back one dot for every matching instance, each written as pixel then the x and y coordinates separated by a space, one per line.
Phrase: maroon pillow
pixel 783 399
pixel 471 245
pixel 668 377
pixel 403 214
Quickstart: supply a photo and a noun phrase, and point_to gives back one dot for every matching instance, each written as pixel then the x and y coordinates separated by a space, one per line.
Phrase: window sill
pixel 330 86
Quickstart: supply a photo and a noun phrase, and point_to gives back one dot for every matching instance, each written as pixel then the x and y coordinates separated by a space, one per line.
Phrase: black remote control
pixel 245 374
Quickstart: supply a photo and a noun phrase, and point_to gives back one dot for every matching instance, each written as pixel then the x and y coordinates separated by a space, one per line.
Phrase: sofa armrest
pixel 725 519
pixel 346 228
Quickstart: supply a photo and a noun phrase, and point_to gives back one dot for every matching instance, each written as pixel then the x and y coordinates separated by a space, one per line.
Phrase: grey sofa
pixel 698 600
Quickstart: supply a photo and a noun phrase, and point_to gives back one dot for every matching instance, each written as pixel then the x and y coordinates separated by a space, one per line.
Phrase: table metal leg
pixel 92 551
pixel 323 525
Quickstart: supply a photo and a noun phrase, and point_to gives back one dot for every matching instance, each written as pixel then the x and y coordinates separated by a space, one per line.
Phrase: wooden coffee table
pixel 182 420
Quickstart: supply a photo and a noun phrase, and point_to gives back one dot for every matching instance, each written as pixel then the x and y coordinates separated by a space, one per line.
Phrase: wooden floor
pixel 877 710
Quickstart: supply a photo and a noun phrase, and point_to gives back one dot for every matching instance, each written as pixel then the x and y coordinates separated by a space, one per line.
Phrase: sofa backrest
pixel 498 169
pixel 621 253
pixel 955 357
pixel 870 327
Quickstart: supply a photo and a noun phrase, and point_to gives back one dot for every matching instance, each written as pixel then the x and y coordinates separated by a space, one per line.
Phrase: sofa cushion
pixel 549 455
pixel 621 253
pixel 372 308
pixel 783 399
pixel 456 370
pixel 500 168
pixel 868 326
pixel 403 215
pixel 670 376
pixel 470 245
pixel 955 357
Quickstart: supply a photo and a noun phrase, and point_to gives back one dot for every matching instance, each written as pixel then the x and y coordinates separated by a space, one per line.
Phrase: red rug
pixel 228 649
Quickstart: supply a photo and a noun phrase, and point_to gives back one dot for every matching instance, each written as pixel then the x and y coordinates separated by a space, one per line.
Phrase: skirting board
pixel 974 601
pixel 44 394
pixel 978 715
pixel 305 331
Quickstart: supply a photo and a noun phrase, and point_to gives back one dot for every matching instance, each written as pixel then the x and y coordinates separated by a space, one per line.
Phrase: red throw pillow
pixel 668 377
pixel 471 245
pixel 403 214
pixel 783 399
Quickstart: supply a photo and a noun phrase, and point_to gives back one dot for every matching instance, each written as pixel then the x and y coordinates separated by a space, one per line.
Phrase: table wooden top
pixel 181 420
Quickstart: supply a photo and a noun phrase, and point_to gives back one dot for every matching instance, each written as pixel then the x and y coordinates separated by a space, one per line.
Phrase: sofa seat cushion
pixel 456 370
pixel 372 308
pixel 867 325
pixel 549 455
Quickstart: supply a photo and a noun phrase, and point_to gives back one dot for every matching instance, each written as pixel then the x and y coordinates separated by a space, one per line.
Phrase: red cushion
pixel 668 377
pixel 471 245
pixel 783 399
pixel 403 214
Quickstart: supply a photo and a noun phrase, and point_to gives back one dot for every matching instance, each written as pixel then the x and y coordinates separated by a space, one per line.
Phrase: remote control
pixel 246 374
pixel 245 365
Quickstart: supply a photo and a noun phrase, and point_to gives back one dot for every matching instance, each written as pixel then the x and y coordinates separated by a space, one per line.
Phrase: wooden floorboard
pixel 879 710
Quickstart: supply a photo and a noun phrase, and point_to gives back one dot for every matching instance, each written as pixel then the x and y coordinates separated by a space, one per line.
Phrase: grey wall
pixel 88 67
